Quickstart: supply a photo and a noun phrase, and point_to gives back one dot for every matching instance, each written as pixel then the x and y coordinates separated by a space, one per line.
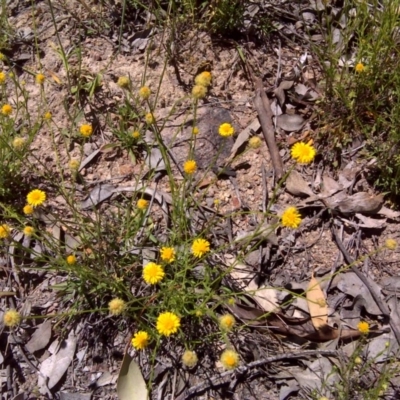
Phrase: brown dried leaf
pixel 360 203
pixel 317 304
pixel 297 186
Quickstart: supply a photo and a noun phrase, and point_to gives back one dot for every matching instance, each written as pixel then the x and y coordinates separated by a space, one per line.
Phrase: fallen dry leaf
pixel 317 304
pixel 297 185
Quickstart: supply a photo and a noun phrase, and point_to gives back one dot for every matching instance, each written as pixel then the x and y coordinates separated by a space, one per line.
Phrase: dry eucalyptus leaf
pixel 387 212
pixel 130 384
pixel 155 160
pixel 371 223
pixel 329 186
pixel 290 122
pixel 360 203
pixel 297 185
pixel 317 304
pixel 40 338
pixel 75 396
pixel 57 364
pixel 243 137
pixel 97 195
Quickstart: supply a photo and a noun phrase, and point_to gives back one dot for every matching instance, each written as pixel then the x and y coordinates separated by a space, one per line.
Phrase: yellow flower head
pixel 200 247
pixel 11 318
pixel 231 301
pixel 229 359
pixel 189 359
pixel 153 273
pixel 203 79
pixel 190 167
pixel 391 244
pixel 358 360
pixel 303 153
pixel 116 306
pixel 28 209
pixel 226 130
pixel 47 116
pixel 74 165
pixel 29 231
pixel 142 204
pixel 18 143
pixel 167 254
pixel 3 77
pixel 123 82
pixel 144 92
pixel 6 110
pixel 168 323
pixel 360 67
pixel 255 142
pixel 226 322
pixel 140 340
pixel 71 259
pixel 363 327
pixel 291 218
pixel 199 313
pixel 136 134
pixel 5 231
pixel 149 118
pixel 40 78
pixel 199 91
pixel 36 197
pixel 2 57
pixel 195 130
pixel 86 130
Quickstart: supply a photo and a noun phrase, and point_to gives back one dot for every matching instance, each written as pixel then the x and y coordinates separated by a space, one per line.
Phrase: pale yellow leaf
pixel 317 304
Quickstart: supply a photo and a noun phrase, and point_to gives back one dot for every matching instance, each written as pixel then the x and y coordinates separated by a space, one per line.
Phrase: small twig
pixel 226 377
pixel 263 107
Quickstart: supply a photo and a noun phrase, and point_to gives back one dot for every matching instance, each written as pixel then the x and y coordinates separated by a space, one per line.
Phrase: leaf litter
pixel 339 198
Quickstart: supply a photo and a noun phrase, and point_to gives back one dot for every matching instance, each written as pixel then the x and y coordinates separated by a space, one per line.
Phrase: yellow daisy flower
pixel 28 209
pixel 363 327
pixel 18 143
pixel 29 231
pixel 140 340
pixel 116 306
pixel 195 130
pixel 226 130
pixel 168 323
pixel 200 247
pixel 303 153
pixel 11 318
pixel 391 244
pixel 5 231
pixel 189 359
pixel 3 77
pixel 167 254
pixel 136 134
pixel 142 204
pixel 199 91
pixel 86 130
pixel 47 116
pixel 144 92
pixel 149 118
pixel 203 79
pixel 190 167
pixel 6 110
pixel 229 359
pixel 291 218
pixel 255 142
pixel 74 165
pixel 36 197
pixel 40 78
pixel 226 322
pixel 123 82
pixel 360 67
pixel 71 259
pixel 153 273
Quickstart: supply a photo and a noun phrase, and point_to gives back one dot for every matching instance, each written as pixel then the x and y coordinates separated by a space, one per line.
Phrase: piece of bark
pixel 263 108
